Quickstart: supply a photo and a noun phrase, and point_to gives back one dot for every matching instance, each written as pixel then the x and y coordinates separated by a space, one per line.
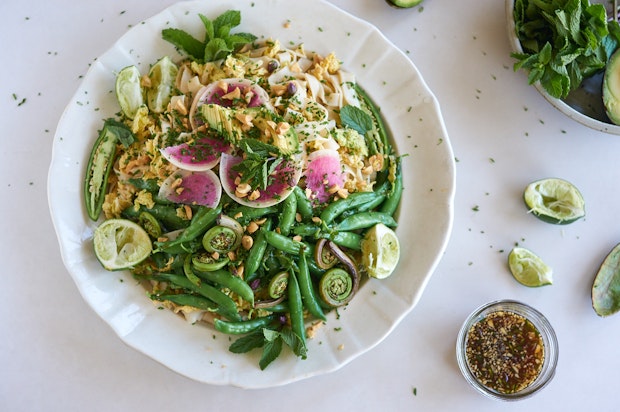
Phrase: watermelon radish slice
pixel 323 172
pixel 286 177
pixel 213 94
pixel 202 154
pixel 192 188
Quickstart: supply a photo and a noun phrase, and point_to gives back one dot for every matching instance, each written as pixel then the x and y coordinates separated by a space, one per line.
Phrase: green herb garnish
pixel 356 118
pixel 219 42
pixel 272 342
pixel 563 41
pixel 259 162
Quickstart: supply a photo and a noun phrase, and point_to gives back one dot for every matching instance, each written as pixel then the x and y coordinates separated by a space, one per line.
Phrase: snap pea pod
pixel 98 171
pixel 186 299
pixel 296 311
pixel 165 214
pixel 257 251
pixel 306 229
pixel 306 289
pixel 226 279
pixel 200 222
pixel 334 209
pixel 287 215
pixel 383 146
pixel 244 326
pixel 349 240
pixel 225 303
pixel 365 220
pixel 394 195
pixel 283 243
pixel 245 214
pixel 304 207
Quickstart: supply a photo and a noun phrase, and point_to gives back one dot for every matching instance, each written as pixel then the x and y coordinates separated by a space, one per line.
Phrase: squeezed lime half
pixel 528 268
pixel 129 91
pixel 121 244
pixel 380 251
pixel 162 75
pixel 554 201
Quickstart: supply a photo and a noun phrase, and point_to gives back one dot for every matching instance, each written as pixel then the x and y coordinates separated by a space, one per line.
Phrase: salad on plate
pixel 251 186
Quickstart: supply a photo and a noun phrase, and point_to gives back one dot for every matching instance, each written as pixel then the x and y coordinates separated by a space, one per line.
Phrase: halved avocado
pixel 404 4
pixel 611 88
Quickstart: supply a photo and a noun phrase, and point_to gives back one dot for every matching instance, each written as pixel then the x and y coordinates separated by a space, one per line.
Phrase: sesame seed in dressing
pixel 505 352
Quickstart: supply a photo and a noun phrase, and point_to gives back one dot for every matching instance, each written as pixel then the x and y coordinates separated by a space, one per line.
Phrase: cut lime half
pixel 121 244
pixel 163 75
pixel 554 201
pixel 129 91
pixel 380 251
pixel 529 269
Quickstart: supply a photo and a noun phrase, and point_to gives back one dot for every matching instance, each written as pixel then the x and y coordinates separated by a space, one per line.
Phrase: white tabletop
pixel 56 354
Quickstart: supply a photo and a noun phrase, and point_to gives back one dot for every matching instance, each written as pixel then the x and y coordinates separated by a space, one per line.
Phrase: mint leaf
pixel 356 118
pixel 122 132
pixel 219 41
pixel 294 342
pixel 271 351
pixel 248 342
pixel 185 42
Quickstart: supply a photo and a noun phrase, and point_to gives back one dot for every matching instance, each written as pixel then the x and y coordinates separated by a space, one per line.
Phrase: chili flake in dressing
pixel 505 352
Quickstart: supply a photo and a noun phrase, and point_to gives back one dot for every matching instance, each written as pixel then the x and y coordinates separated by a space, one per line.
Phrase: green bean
pixel 226 279
pixel 296 312
pixel 186 299
pixel 225 303
pixel 244 326
pixel 365 220
pixel 257 251
pixel 394 195
pixel 306 289
pixel 287 215
pixel 304 207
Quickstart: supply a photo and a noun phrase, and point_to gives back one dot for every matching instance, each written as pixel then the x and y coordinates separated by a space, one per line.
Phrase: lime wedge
pixel 380 251
pixel 529 269
pixel 121 244
pixel 163 75
pixel 129 91
pixel 554 201
pixel 606 286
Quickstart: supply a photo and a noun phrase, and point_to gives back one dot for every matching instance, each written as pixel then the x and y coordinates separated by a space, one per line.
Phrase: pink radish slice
pixel 192 188
pixel 213 92
pixel 285 178
pixel 324 171
pixel 203 154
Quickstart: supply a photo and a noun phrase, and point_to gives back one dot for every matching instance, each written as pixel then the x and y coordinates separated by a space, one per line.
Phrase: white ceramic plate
pixel 413 115
pixel 584 104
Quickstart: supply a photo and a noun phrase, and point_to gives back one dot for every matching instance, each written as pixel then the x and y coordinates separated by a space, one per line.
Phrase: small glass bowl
pixel 547 334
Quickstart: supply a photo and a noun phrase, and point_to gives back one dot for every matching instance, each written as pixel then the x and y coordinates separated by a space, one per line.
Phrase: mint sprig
pixel 563 42
pixel 219 41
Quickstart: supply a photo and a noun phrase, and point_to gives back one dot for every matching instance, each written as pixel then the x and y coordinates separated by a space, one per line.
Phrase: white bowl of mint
pixel 566 48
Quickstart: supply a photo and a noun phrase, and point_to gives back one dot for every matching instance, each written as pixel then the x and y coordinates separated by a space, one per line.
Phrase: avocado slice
pixel 226 122
pixel 611 88
pixel 404 4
